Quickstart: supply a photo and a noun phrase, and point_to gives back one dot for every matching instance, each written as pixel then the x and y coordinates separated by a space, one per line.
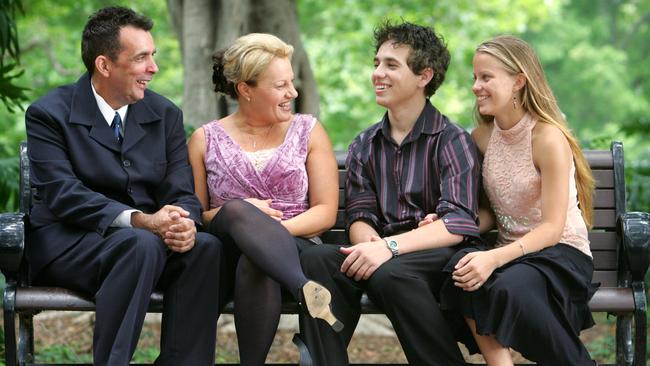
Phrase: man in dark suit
pixel 114 213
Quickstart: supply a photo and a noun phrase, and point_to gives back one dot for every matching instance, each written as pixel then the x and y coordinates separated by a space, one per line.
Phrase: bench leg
pixel 25 338
pixel 624 354
pixel 9 306
pixel 640 323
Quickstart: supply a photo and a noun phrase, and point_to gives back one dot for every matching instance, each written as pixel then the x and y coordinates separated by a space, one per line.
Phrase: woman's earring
pixel 514 103
pixel 248 99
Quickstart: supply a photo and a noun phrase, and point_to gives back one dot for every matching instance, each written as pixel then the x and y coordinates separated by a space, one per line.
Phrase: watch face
pixel 392 246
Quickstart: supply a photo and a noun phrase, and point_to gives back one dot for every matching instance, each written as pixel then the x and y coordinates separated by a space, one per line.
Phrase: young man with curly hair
pixel 411 198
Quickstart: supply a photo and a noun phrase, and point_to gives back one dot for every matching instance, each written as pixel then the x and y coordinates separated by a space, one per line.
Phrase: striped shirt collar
pixel 430 122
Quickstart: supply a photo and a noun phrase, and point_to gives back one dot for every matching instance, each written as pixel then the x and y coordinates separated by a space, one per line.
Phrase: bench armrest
pixel 12 241
pixel 635 233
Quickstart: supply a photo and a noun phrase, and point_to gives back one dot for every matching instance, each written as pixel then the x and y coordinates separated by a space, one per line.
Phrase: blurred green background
pixel 595 54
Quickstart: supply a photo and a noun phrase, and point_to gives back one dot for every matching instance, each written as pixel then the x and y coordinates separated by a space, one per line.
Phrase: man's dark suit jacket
pixel 85 179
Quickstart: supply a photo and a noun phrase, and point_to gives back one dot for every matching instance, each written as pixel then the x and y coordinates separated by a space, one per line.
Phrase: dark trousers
pixel 404 287
pixel 121 271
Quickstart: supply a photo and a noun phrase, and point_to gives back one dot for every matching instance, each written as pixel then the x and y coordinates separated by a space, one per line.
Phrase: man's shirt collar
pixel 107 111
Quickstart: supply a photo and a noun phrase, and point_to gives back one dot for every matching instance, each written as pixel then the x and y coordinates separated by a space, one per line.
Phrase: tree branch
pixel 49 52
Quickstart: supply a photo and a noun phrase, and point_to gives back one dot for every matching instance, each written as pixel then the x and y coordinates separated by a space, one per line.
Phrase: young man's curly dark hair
pixel 427 49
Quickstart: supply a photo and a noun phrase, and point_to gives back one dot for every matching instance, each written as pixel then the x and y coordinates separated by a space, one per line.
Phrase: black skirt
pixel 538 297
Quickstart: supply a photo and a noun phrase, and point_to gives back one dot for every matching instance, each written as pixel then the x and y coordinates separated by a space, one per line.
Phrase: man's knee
pixel 392 279
pixel 207 249
pixel 141 245
pixel 383 277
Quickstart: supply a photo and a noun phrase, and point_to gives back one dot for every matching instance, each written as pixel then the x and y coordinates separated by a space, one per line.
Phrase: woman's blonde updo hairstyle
pixel 245 60
pixel 517 57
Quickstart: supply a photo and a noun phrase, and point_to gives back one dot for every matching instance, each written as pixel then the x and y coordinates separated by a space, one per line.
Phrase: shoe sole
pixel 317 300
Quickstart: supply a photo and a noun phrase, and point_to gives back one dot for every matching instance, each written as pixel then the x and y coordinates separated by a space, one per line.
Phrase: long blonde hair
pixel 537 99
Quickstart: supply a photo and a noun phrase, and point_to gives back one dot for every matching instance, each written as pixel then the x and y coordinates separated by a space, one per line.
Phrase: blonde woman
pixel 267 181
pixel 530 291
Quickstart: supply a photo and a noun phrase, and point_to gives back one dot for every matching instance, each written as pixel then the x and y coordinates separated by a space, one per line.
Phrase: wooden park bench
pixel 620 243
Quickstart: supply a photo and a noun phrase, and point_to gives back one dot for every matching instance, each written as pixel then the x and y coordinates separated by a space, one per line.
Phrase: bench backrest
pixel 609 203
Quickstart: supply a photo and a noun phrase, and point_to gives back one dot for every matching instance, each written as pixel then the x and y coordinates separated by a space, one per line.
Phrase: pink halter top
pixel 513 185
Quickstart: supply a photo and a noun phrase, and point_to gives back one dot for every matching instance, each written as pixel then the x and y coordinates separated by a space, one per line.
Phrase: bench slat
pixel 604 219
pixel 612 300
pixel 605 260
pixel 604 178
pixel 54 298
pixel 602 240
pixel 606 278
pixel 604 198
pixel 599 159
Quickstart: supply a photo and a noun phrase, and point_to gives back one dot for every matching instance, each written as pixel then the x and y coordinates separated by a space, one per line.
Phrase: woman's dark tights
pixel 268 262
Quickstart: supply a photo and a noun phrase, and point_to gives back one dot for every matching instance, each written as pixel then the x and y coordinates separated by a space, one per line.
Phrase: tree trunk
pixel 205 26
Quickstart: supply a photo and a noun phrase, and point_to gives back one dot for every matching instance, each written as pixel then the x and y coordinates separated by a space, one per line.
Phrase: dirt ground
pixel 74 331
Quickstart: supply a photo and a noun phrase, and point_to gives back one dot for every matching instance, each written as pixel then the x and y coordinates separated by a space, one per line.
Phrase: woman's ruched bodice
pixel 232 175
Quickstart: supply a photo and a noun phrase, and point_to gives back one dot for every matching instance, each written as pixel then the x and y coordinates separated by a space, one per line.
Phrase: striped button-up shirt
pixel 435 170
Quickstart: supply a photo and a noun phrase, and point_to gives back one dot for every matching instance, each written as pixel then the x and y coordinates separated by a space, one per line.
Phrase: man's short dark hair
pixel 427 49
pixel 101 35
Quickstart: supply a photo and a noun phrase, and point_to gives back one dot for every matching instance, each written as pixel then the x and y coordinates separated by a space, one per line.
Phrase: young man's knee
pixel 320 257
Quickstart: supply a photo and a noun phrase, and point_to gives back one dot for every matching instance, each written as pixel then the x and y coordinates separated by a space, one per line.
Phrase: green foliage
pixel 13 132
pixel 9 174
pixel 61 354
pixel 601 349
pixel 53 43
pixel 341 51
pixel 11 94
pixel 637 176
pixel 2 331
pixel 145 355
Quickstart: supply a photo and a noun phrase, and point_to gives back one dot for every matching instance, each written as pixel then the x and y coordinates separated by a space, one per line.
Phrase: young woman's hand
pixel 474 269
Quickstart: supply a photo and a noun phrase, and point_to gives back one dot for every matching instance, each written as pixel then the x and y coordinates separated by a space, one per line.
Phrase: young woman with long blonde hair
pixel 530 290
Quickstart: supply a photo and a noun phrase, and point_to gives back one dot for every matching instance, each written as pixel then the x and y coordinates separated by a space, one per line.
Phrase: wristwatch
pixel 392 246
